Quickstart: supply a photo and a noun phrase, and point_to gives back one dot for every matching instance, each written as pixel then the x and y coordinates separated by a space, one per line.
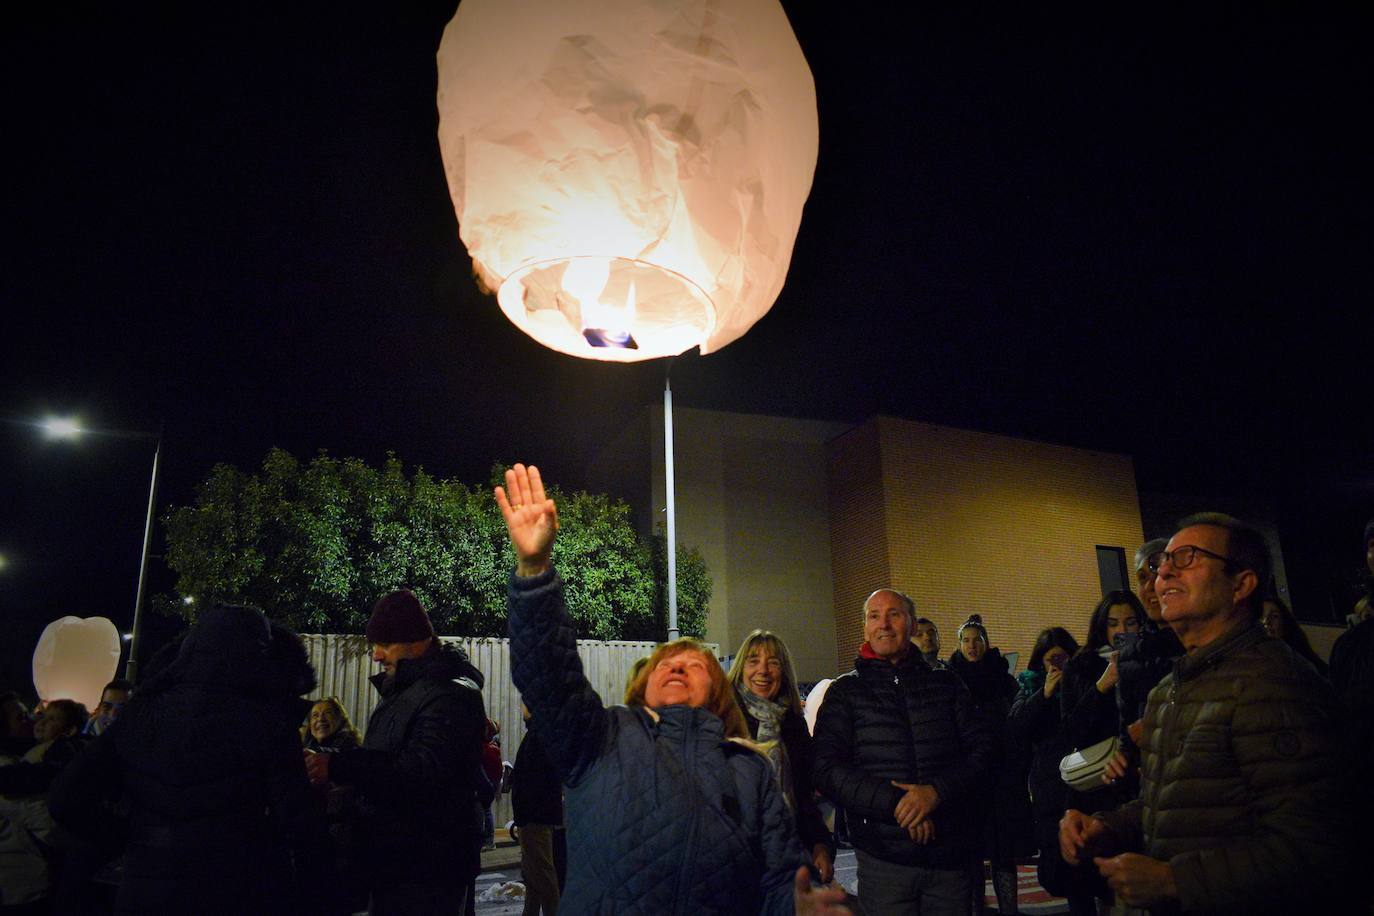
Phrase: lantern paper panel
pixel 628 177
pixel 75 658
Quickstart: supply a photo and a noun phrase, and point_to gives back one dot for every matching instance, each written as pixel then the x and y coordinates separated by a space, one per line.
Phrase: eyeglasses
pixel 1182 557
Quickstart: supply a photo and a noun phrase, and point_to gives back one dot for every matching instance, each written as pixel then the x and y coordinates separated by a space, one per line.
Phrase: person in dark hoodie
pixel 206 759
pixel 1006 811
pixel 419 826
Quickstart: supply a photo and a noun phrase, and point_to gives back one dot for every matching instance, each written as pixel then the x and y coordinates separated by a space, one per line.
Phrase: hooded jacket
pixel 417 771
pixel 207 757
pixel 883 723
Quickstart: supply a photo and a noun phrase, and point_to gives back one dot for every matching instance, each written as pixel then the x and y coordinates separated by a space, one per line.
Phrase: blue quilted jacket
pixel 664 815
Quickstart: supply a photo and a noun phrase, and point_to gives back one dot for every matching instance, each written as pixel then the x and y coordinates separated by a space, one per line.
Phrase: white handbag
pixel 1082 770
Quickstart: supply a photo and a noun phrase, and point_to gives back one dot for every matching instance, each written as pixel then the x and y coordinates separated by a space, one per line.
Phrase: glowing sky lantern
pixel 75 658
pixel 628 175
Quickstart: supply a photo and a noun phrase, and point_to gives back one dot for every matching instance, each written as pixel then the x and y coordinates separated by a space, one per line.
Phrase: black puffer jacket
pixel 907 723
pixel 417 770
pixel 208 758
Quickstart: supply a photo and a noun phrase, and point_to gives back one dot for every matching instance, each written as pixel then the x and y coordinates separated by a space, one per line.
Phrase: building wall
pixel 751 496
pixel 974 523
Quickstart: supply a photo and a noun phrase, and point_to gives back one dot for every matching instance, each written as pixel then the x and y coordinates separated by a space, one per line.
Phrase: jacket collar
pixel 1239 637
pixel 872 660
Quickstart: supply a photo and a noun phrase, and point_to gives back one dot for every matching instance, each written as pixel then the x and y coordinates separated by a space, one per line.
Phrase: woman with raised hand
pixel 766 688
pixel 669 809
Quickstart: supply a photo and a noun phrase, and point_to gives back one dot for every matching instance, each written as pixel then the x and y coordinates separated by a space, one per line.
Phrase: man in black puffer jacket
pixel 419 824
pixel 899 746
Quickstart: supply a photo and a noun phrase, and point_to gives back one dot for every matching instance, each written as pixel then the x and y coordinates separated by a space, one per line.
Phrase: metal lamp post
pixel 66 428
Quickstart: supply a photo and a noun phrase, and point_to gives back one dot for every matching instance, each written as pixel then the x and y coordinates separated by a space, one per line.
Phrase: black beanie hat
pixel 399 617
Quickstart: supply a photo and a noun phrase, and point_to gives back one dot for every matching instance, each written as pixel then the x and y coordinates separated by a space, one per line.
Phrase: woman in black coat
pixel 1006 811
pixel 1086 713
pixel 766 689
pixel 207 756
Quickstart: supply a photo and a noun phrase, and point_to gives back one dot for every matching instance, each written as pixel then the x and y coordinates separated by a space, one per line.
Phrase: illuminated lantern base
pixel 630 310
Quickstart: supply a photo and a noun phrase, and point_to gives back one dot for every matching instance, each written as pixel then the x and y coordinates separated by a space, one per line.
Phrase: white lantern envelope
pixel 628 177
pixel 75 658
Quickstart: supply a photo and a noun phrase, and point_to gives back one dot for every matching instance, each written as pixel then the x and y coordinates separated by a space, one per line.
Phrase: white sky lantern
pixel 75 658
pixel 628 175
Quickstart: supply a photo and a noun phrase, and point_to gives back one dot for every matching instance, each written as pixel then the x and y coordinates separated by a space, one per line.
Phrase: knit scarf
pixel 769 716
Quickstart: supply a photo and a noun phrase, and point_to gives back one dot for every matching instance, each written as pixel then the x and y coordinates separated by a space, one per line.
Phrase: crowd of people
pixel 1193 754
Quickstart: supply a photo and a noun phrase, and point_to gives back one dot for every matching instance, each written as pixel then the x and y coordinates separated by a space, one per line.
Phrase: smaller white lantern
pixel 75 658
pixel 628 175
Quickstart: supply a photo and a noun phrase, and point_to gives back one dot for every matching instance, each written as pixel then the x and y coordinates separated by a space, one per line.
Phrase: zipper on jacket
pixel 688 767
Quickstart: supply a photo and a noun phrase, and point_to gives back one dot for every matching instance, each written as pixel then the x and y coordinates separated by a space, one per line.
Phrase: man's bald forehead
pixel 905 600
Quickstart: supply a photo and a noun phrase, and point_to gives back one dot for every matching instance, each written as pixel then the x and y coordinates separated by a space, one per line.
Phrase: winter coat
pixel 1142 663
pixel 1086 716
pixel 536 792
pixel 796 742
pixel 207 758
pixel 1007 821
pixel 664 814
pixel 1244 788
pixel 906 723
pixel 417 771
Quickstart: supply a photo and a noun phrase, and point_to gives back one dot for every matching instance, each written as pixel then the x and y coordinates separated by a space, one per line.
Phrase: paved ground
pixel 499 892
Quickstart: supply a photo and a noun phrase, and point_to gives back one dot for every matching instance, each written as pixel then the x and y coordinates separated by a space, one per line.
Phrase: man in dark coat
pixel 901 747
pixel 419 826
pixel 1244 797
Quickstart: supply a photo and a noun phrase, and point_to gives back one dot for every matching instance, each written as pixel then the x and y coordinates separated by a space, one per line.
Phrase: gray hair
pixel 906 600
pixel 1146 550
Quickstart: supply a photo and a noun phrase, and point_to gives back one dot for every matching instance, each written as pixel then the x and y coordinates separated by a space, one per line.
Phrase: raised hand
pixel 531 519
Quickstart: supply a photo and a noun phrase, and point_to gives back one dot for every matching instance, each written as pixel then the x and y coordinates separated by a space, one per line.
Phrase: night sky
pixel 1105 229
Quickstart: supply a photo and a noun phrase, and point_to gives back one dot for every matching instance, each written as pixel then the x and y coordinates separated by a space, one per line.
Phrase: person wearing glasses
pixel 1244 800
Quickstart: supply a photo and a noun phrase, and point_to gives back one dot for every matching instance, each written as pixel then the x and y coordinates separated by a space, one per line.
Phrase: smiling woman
pixel 766 688
pixel 668 808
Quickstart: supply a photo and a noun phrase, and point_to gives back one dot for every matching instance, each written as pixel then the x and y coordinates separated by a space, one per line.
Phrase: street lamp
pixel 70 428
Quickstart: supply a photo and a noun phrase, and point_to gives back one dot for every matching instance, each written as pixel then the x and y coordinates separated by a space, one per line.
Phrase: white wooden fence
pixel 343 665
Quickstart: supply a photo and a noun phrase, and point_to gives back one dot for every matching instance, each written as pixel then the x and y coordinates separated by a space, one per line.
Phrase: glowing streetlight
pixel 61 428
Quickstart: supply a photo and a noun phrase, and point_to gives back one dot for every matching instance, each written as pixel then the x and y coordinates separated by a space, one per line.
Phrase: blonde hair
pixel 773 644
pixel 720 700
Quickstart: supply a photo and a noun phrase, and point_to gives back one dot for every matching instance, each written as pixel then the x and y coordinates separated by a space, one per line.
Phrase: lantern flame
pixel 604 324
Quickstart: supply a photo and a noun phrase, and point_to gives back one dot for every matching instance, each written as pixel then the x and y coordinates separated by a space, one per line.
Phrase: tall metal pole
pixel 672 512
pixel 131 667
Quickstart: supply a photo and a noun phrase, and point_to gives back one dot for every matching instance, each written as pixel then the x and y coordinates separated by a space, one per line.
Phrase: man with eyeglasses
pixel 1244 800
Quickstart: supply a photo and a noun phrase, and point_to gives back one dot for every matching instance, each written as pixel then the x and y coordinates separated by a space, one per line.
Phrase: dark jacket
pixel 1087 716
pixel 417 771
pixel 1244 781
pixel 1142 662
pixel 796 741
pixel 665 816
pixel 908 723
pixel 536 792
pixel 1007 822
pixel 207 757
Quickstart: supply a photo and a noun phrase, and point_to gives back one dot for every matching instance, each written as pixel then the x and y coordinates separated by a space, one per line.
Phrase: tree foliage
pixel 315 545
